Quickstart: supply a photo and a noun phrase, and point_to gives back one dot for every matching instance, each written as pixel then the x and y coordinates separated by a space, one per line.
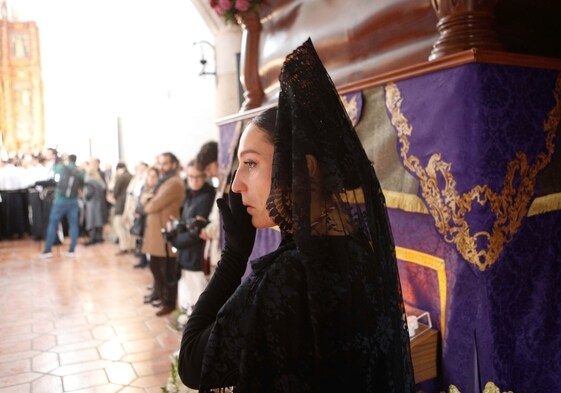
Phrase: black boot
pixel 98 235
pixel 91 238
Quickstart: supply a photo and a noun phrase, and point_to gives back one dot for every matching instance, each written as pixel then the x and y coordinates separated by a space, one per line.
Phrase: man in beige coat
pixel 168 198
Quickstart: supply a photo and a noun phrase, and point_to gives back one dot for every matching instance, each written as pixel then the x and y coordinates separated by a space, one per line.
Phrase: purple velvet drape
pixel 486 121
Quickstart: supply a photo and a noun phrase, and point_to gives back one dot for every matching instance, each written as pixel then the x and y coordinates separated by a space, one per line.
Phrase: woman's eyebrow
pixel 248 151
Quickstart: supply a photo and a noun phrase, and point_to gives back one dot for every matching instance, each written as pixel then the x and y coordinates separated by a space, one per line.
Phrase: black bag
pixel 137 228
pixel 70 182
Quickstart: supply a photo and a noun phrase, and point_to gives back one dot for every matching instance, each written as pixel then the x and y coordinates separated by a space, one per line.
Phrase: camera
pixel 195 225
pixel 177 227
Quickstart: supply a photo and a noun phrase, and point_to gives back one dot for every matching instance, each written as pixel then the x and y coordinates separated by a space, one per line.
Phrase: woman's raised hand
pixel 239 233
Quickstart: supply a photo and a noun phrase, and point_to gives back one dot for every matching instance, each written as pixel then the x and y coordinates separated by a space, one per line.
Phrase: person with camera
pixel 184 236
pixel 169 193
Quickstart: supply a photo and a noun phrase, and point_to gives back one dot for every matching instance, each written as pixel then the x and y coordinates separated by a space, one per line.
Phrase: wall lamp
pixel 203 60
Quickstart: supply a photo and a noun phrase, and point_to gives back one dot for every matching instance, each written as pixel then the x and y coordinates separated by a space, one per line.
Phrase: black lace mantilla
pixel 324 312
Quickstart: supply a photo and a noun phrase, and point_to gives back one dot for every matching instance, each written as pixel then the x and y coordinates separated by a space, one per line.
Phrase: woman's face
pixel 152 178
pixel 253 178
pixel 195 178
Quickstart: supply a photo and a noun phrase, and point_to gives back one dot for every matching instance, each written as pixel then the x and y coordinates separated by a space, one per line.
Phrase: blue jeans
pixel 61 208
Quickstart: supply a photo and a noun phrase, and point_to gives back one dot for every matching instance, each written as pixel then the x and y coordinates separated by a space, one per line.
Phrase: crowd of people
pixel 159 213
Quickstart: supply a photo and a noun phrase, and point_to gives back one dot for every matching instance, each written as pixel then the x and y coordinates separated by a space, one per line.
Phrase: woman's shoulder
pixel 282 263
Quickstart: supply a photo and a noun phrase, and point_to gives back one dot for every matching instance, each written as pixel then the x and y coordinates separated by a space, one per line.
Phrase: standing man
pixel 122 180
pixel 69 180
pixel 166 203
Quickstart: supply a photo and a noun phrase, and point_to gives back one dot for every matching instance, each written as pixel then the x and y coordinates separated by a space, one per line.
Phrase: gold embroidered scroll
pixel 449 208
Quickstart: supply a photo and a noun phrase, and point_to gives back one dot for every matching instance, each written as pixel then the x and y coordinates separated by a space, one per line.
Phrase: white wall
pixel 133 59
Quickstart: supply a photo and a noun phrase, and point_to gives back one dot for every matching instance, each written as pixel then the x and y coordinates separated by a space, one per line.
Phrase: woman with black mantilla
pixel 323 312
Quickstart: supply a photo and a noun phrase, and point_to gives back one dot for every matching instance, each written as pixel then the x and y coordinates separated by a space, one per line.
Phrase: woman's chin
pixel 262 223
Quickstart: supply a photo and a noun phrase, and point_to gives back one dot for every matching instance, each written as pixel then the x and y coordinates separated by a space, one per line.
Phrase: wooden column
pixel 251 30
pixel 463 25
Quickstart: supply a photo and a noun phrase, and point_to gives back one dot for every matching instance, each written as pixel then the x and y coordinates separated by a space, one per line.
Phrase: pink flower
pixel 225 5
pixel 242 5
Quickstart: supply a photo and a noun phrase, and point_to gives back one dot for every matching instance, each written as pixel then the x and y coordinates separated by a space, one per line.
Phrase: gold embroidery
pixel 449 209
pixel 490 387
pixel 406 202
pixel 413 204
pixel 545 204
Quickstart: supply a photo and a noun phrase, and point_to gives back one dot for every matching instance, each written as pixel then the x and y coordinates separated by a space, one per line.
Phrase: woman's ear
pixel 312 164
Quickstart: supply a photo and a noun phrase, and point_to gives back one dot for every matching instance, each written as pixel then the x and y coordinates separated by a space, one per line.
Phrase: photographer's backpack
pixel 70 182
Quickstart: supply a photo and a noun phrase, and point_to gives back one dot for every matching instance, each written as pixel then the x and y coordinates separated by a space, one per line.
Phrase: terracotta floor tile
pixel 134 336
pixel 45 362
pixel 152 366
pixel 156 324
pixel 103 333
pixel 84 380
pixel 169 339
pixel 151 381
pixel 140 345
pixel 120 373
pixel 148 355
pixel 17 355
pixel 120 314
pixel 44 314
pixel 14 346
pixel 44 342
pixel 47 384
pixel 130 389
pixel 81 356
pixel 14 330
pixel 82 326
pixel 96 318
pixel 77 346
pixel 68 322
pixel 24 388
pixel 109 388
pixel 15 367
pixel 138 326
pixel 111 350
pixel 77 368
pixel 18 379
pixel 75 337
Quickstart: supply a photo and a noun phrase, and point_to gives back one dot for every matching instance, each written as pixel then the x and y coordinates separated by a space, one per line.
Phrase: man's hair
pixel 207 154
pixel 72 158
pixel 121 165
pixel 171 157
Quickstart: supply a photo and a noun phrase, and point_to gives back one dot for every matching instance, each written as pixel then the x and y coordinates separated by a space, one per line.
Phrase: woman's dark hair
pixel 266 121
pixel 194 163
pixel 207 154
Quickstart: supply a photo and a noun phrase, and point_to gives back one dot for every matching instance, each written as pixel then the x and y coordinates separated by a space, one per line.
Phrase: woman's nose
pixel 237 184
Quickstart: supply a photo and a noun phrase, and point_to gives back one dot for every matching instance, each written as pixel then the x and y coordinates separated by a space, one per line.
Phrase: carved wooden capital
pixel 463 25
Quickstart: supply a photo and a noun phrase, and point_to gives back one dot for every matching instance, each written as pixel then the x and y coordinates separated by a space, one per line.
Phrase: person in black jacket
pixel 185 237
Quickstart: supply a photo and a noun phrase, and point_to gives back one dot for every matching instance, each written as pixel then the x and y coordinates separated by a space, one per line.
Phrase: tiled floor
pixel 78 324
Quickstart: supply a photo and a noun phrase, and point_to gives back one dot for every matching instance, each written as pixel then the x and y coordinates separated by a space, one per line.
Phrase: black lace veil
pixel 311 120
pixel 324 311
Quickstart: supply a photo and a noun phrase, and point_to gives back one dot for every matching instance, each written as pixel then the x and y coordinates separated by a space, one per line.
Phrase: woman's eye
pixel 250 164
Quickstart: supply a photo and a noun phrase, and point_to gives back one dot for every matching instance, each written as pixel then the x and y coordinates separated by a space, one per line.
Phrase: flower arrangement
pixel 229 8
